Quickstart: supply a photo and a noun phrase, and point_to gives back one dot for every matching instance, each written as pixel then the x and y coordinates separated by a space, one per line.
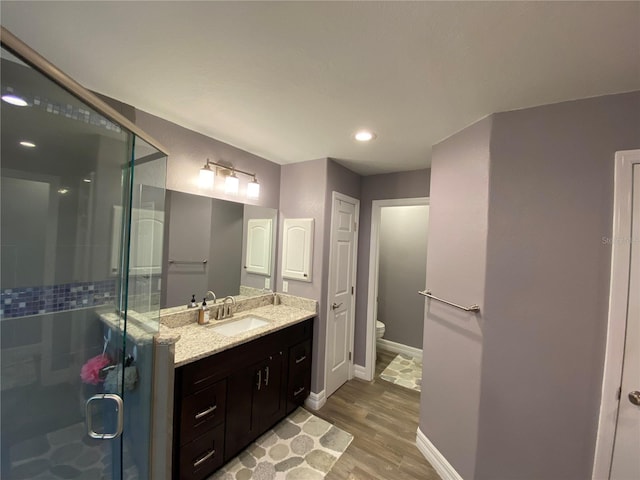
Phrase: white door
pixel 341 299
pixel 626 459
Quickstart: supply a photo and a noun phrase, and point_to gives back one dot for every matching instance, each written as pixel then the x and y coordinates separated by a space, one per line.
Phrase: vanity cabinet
pixel 225 401
pixel 258 401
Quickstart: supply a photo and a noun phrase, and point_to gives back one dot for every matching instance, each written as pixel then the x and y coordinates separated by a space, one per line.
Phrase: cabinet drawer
pixel 300 357
pixel 201 457
pixel 202 411
pixel 301 331
pixel 298 390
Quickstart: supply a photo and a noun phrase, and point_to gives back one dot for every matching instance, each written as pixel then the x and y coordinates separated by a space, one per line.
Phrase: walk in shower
pixel 82 210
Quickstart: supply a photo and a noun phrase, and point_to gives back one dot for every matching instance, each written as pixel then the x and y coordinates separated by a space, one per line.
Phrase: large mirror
pixel 217 245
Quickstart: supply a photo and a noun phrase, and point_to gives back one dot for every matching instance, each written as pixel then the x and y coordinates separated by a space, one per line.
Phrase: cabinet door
pixel 269 403
pixel 297 247
pixel 241 424
pixel 259 236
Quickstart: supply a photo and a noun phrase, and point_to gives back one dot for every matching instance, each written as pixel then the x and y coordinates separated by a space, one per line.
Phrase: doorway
pixel 616 444
pixel 397 266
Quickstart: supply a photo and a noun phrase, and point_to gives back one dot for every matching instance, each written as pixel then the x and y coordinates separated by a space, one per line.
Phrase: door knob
pixel 336 305
pixel 634 397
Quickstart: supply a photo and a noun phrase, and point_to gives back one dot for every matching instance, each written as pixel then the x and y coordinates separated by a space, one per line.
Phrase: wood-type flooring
pixel 383 418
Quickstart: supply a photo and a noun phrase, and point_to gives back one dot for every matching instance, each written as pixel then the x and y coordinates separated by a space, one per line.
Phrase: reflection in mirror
pixel 209 242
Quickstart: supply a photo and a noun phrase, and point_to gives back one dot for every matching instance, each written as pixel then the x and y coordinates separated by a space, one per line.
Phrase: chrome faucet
pixel 227 310
pixel 274 295
pixel 209 292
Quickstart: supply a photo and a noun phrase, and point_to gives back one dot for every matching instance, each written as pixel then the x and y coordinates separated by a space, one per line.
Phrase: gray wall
pixel 550 204
pixel 302 195
pixel 410 184
pixel 225 248
pixel 24 232
pixel 401 272
pixel 306 192
pixel 192 214
pixel 528 369
pixel 452 344
pixel 188 152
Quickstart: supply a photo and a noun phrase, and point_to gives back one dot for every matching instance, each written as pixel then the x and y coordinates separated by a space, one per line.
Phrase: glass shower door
pixel 76 321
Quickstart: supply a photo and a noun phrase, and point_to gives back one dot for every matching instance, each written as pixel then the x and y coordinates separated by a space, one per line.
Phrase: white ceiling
pixel 292 81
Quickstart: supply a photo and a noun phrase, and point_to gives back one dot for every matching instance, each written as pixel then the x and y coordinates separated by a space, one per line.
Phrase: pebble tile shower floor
pixel 61 455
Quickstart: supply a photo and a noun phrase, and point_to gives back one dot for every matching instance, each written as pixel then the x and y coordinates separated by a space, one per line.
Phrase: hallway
pixel 383 419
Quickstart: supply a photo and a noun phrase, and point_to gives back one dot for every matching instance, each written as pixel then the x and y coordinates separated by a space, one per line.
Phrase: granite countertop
pixel 199 341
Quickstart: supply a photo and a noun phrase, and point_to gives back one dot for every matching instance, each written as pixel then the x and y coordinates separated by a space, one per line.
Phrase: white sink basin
pixel 242 325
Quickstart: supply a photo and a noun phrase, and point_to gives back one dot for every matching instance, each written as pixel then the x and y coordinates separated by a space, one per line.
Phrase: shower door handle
pixel 102 397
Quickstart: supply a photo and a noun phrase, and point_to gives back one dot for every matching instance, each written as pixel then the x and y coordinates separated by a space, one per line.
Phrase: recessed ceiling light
pixel 63 191
pixel 86 180
pixel 27 144
pixel 364 136
pixel 14 100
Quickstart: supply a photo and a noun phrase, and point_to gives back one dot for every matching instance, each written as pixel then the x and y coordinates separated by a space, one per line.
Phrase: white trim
pixel 372 294
pixel 618 299
pixel 315 401
pixel 394 347
pixel 439 463
pixel 345 198
pixel 362 373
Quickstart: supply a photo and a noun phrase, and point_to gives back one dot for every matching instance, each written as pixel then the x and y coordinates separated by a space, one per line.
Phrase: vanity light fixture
pixel 364 136
pixel 231 183
pixel 28 144
pixel 14 100
pixel 231 180
pixel 207 176
pixel 253 188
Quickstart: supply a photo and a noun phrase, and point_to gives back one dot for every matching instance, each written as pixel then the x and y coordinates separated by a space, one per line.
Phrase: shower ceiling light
pixel 28 144
pixel 15 100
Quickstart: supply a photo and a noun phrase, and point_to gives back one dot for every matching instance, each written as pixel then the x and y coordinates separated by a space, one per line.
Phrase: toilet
pixel 379 329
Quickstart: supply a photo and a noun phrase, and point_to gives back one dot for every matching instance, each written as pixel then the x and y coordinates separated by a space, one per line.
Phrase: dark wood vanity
pixel 225 401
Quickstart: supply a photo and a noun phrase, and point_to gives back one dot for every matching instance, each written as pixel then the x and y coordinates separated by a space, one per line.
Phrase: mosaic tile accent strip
pixel 301 447
pixel 404 371
pixel 67 453
pixel 22 302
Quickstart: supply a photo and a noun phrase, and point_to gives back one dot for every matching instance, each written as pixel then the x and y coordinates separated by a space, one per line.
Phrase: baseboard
pixel 394 347
pixel 360 372
pixel 435 458
pixel 315 401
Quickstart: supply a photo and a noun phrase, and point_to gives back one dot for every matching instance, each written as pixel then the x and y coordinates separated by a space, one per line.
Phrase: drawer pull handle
pixel 266 376
pixel 298 392
pixel 203 459
pixel 259 379
pixel 206 412
pixel 301 359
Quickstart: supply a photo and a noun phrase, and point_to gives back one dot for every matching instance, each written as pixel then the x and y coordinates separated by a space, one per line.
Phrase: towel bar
pixel 472 308
pixel 189 262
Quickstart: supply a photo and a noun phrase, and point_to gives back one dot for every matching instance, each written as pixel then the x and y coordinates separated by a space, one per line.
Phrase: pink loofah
pixel 90 372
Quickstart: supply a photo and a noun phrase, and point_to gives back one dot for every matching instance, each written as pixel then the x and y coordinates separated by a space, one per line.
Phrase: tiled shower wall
pixel 22 302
